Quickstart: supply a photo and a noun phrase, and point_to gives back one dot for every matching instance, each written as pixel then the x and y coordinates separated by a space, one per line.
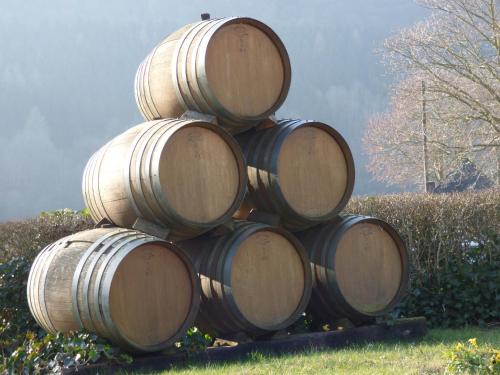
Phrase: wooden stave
pixel 160 214
pixel 315 241
pixel 90 314
pixel 182 105
pixel 90 185
pixel 142 76
pixel 134 160
pixel 139 90
pixel 179 36
pixel 84 315
pixel 155 212
pixel 204 251
pixel 103 236
pixel 195 74
pixel 217 268
pixel 327 301
pixel 37 311
pixel 37 279
pixel 148 102
pixel 212 307
pixel 261 149
pixel 87 190
pixel 91 189
pixel 39 270
pixel 186 75
pixel 212 257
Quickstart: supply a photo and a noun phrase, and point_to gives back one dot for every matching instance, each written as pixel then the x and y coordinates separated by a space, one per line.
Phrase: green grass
pixel 422 357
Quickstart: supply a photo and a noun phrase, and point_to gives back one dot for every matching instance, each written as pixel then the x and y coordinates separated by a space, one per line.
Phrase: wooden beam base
pixel 403 329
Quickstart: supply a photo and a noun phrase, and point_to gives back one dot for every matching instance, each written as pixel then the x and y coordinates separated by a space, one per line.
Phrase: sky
pixel 67 70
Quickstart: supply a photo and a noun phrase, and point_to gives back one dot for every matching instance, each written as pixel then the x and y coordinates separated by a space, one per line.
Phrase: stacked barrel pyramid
pixel 195 208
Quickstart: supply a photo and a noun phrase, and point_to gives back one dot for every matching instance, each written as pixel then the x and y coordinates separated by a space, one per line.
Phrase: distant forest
pixel 67 70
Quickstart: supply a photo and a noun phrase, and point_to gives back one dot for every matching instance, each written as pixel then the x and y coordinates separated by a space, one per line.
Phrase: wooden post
pixel 424 132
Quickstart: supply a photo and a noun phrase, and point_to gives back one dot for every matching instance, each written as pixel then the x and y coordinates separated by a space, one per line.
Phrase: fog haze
pixel 67 69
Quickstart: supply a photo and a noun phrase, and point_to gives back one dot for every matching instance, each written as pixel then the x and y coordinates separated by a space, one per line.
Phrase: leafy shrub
pixel 24 347
pixel 27 237
pixel 15 317
pixel 454 246
pixel 49 353
pixel 465 293
pixel 304 324
pixel 471 358
pixel 194 341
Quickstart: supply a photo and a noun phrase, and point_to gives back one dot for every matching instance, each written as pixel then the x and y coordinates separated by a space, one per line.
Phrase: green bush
pixel 454 246
pixel 15 317
pixel 465 293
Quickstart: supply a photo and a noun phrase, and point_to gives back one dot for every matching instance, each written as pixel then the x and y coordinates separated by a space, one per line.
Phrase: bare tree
pixel 394 139
pixel 456 51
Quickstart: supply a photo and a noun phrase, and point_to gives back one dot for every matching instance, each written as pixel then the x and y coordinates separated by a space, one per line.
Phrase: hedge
pixel 26 238
pixel 436 227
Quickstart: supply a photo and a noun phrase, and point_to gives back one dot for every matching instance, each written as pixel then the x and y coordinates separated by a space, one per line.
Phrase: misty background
pixel 67 69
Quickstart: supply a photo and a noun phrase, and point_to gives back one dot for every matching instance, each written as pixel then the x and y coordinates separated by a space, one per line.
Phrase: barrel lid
pixel 312 171
pixel 268 279
pixel 151 295
pixel 369 269
pixel 247 68
pixel 199 174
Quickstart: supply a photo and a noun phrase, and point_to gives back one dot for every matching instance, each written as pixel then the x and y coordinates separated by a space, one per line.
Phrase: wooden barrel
pixel 254 280
pixel 134 289
pixel 185 175
pixel 302 171
pixel 236 69
pixel 359 265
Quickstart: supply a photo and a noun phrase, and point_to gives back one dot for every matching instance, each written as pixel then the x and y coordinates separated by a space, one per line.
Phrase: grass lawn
pixel 422 357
